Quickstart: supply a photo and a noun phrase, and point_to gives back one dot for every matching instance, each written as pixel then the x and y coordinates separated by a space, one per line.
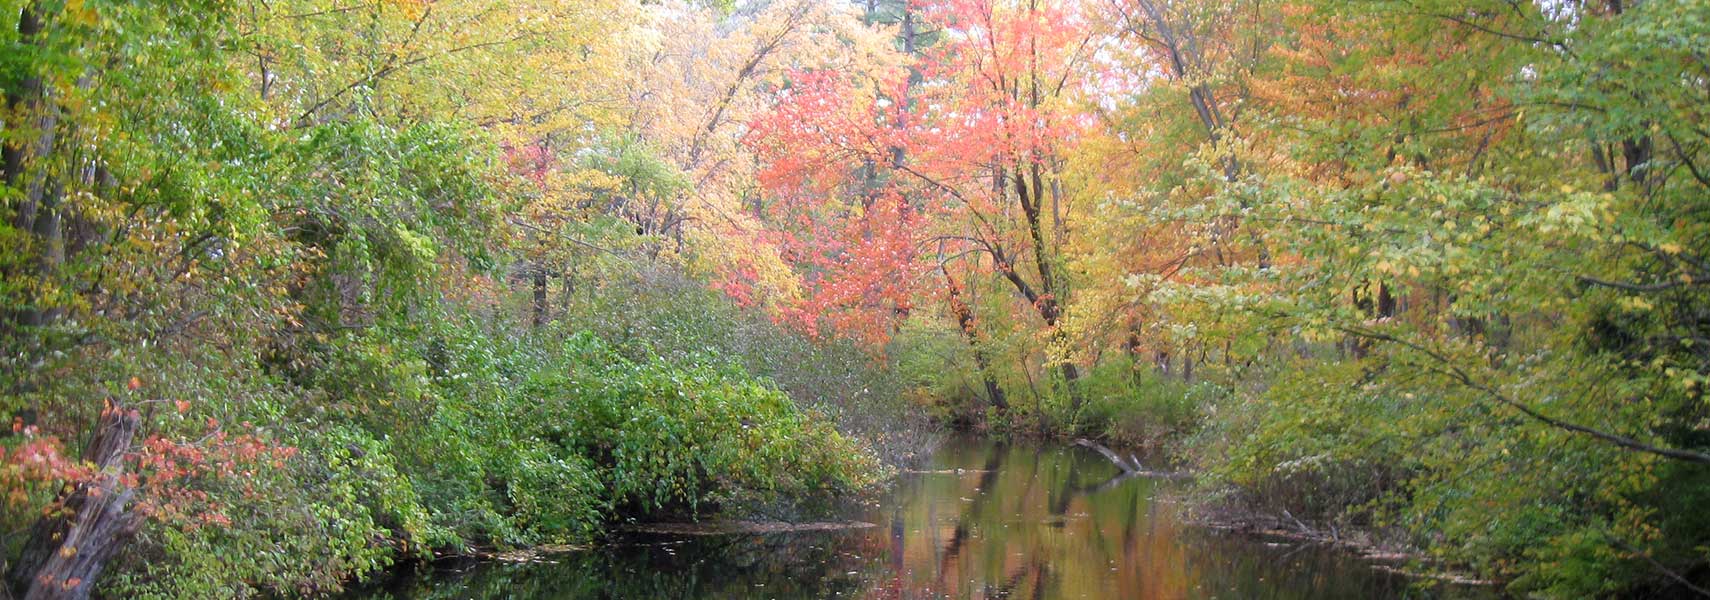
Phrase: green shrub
pixel 667 439
pixel 1131 404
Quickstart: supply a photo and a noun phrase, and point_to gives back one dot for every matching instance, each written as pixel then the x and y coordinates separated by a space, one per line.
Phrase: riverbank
pixel 1382 552
pixel 978 518
pixel 1385 550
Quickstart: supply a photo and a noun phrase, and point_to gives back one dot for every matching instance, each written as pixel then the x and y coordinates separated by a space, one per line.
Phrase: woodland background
pixel 295 290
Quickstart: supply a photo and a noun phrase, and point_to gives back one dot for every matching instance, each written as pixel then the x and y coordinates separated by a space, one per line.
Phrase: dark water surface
pixel 1018 521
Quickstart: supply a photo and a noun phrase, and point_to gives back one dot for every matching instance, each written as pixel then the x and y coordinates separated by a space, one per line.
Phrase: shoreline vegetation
pixel 295 291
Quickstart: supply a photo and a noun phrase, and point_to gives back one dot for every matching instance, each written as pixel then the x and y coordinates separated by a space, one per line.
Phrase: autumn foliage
pixel 291 291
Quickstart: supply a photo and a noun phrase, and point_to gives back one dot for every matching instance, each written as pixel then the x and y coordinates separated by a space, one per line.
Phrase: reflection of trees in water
pixel 1027 528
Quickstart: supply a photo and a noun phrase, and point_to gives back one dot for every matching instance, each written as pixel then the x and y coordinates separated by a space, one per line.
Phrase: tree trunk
pixel 965 320
pixel 1047 302
pixel 539 296
pixel 49 248
pixel 31 106
pixel 29 103
pixel 1386 304
pixel 569 290
pixel 68 548
pixel 992 390
pixel 1071 373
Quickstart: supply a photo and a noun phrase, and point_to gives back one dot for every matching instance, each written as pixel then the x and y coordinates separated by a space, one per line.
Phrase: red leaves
pixel 530 161
pixel 176 474
pixel 39 460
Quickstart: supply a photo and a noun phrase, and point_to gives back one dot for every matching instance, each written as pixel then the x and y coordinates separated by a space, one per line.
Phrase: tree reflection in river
pixel 993 521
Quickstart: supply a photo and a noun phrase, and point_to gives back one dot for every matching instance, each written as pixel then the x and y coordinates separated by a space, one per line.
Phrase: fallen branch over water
pixel 943 471
pixel 1448 577
pixel 534 554
pixel 741 527
pixel 1130 466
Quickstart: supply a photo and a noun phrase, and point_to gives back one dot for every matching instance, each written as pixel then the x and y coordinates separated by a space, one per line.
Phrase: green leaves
pixel 676 438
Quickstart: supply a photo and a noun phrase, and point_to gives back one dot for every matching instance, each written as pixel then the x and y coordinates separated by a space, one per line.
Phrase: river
pixel 986 521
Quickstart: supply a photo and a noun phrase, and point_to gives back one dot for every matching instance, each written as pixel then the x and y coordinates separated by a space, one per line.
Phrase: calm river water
pixel 1017 521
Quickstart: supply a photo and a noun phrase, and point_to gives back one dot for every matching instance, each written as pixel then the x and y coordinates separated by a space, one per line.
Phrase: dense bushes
pixel 444 437
pixel 665 313
pixel 676 439
pixel 313 325
pixel 1120 400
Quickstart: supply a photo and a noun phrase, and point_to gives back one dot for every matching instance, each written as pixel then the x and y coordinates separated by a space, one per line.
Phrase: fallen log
pixel 1126 465
pixel 1130 466
pixel 743 527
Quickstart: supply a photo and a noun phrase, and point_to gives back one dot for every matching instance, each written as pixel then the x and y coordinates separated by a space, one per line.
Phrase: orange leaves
pixel 864 174
pixel 816 128
pixel 37 462
pixel 174 473
pixel 1008 71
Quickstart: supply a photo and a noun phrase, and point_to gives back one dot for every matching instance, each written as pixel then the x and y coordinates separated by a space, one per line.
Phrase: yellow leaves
pixel 1669 248
pixel 78 12
pixel 411 8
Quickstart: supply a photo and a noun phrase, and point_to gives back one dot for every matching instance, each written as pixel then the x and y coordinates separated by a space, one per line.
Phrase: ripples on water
pixel 1017 521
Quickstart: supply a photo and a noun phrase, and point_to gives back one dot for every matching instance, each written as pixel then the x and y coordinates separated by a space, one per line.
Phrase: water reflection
pixel 992 522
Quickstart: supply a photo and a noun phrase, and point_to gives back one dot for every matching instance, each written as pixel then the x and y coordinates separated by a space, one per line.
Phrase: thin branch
pixel 1638 287
pixel 1456 372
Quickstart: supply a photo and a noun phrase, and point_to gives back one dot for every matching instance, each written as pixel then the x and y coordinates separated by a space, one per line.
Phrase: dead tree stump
pixel 69 545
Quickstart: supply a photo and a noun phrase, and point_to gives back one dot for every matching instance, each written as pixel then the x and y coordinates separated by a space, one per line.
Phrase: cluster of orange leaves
pixel 172 476
pixel 171 473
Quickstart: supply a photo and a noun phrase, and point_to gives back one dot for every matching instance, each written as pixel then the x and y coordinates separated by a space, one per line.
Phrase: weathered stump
pixel 69 545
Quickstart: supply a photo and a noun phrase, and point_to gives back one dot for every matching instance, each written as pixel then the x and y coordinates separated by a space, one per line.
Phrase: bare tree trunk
pixel 569 290
pixel 539 296
pixel 68 548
